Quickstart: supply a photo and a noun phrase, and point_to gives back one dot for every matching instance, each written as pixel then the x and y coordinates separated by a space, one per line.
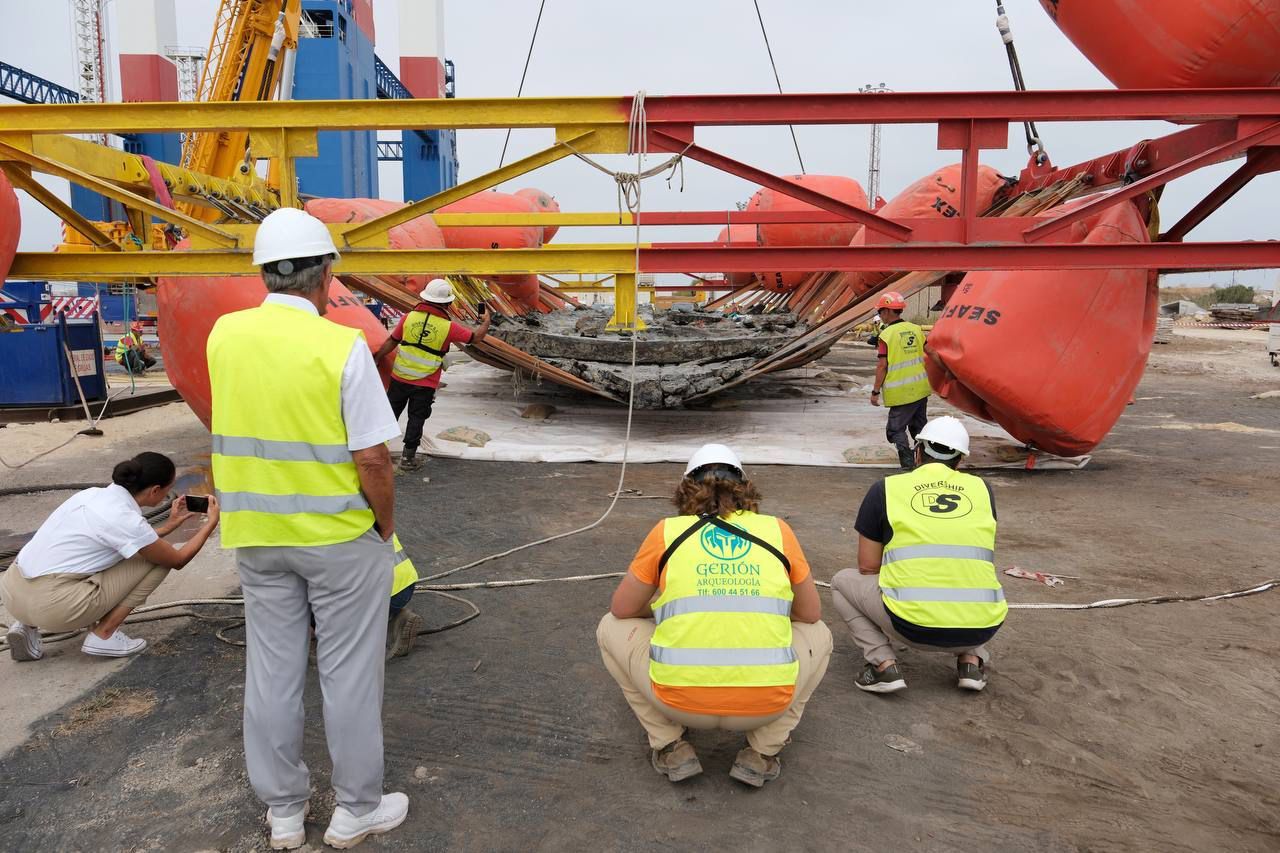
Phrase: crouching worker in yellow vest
pixel 734 639
pixel 405 624
pixel 926 572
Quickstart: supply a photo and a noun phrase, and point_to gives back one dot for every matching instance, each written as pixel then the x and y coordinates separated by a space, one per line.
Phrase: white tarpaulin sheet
pixel 809 416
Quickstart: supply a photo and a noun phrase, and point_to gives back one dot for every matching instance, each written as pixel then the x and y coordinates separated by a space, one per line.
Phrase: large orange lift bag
pixel 838 187
pixel 10 225
pixel 1157 44
pixel 1052 356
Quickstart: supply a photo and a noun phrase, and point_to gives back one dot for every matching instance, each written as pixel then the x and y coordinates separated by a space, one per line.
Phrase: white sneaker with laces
pixel 288 833
pixel 346 830
pixel 118 645
pixel 24 642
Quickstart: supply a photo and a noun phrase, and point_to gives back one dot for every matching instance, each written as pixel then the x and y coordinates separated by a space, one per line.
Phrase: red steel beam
pixel 1176 105
pixel 1221 194
pixel 1157 179
pixel 1156 153
pixel 680 258
pixel 870 220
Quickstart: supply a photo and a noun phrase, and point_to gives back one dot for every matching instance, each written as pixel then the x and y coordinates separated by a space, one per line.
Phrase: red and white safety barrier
pixel 75 307
pixel 1253 324
pixel 389 312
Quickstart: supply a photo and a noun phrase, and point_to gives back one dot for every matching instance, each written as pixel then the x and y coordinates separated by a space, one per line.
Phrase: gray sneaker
pixel 24 642
pixel 971 676
pixel 889 681
pixel 677 760
pixel 410 462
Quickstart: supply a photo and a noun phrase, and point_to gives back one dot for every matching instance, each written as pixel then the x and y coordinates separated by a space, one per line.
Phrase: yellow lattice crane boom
pixel 244 64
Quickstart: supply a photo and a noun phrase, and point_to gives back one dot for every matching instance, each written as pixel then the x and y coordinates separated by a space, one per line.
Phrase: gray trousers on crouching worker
pixel 346 586
pixel 857 599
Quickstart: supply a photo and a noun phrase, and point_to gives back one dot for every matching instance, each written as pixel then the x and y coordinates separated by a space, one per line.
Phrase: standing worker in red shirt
pixel 900 377
pixel 424 336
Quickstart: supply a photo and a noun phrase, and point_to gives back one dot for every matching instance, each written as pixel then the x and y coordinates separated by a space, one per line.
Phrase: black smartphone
pixel 198 503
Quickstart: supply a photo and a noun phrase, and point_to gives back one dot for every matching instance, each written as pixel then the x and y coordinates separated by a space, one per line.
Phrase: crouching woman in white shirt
pixel 96 559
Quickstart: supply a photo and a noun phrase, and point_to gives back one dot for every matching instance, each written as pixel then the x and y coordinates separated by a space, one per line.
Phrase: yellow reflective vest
pixel 405 574
pixel 938 569
pixel 906 380
pixel 128 341
pixel 421 352
pixel 724 616
pixel 283 473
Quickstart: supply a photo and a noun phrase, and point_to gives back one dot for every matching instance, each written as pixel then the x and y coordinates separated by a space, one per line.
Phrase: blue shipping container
pixel 34 370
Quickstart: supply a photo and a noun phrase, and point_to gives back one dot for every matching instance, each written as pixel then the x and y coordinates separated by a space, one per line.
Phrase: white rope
pixel 636 143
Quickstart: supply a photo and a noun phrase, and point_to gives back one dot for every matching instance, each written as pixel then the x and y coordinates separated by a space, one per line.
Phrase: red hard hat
pixel 136 327
pixel 891 299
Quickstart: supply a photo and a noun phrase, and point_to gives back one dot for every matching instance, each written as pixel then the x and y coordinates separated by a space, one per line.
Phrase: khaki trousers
pixel 858 601
pixel 624 645
pixel 68 602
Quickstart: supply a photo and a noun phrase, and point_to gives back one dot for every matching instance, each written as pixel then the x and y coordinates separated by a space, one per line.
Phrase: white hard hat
pixel 290 233
pixel 948 432
pixel 712 454
pixel 438 291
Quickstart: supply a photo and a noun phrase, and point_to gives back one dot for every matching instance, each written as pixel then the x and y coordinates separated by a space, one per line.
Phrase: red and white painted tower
pixel 145 29
pixel 422 47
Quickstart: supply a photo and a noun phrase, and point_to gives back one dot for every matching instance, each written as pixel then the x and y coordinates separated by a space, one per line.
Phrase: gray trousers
pixel 346 586
pixel 858 601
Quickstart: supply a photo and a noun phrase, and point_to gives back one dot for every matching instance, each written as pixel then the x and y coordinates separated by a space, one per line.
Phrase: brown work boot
pixel 677 760
pixel 752 768
pixel 409 461
pixel 403 630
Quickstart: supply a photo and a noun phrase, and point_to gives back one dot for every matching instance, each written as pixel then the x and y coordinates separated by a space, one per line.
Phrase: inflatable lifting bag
pixel 1052 356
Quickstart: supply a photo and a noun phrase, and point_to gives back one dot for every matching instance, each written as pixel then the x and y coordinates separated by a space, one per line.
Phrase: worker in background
pixel 901 382
pixel 96 559
pixel 926 572
pixel 424 336
pixel 300 425
pixel 734 639
pixel 132 353
pixel 404 625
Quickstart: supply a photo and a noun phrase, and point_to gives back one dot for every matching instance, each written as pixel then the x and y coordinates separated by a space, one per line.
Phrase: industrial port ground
pixel 1138 728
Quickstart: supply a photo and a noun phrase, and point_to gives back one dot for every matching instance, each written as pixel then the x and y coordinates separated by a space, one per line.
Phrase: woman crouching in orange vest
pixel 734 639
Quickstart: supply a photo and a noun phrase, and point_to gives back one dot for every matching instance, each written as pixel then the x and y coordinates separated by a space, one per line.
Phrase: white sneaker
pixel 25 642
pixel 118 645
pixel 346 830
pixel 288 833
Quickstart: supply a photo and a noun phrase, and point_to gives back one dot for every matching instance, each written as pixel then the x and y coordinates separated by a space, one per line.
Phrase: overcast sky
pixel 610 47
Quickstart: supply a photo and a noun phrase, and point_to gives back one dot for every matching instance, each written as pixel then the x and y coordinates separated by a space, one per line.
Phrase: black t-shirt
pixel 873 523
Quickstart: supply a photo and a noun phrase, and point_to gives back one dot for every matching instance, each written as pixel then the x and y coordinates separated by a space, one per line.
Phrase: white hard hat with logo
pixel 289 233
pixel 947 432
pixel 437 291
pixel 713 454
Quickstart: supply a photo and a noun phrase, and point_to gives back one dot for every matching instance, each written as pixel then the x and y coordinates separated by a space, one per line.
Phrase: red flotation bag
pixel 10 225
pixel 1052 356
pixel 189 307
pixel 1157 44
pixel 806 233
pixel 738 235
pixel 935 195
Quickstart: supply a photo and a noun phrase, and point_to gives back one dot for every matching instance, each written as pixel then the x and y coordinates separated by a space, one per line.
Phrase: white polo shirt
pixel 92 530
pixel 364 401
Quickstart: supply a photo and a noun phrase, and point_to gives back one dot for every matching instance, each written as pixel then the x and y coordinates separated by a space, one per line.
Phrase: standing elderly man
pixel 307 492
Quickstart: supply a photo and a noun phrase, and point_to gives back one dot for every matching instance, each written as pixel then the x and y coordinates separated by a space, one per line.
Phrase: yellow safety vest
pixel 283 473
pixel 122 347
pixel 724 616
pixel 405 574
pixel 421 352
pixel 906 381
pixel 938 570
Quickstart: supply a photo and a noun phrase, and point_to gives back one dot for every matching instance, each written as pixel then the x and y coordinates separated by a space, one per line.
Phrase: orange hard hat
pixel 136 327
pixel 891 299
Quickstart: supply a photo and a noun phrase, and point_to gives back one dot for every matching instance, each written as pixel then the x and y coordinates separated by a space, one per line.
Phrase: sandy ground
pixel 1148 728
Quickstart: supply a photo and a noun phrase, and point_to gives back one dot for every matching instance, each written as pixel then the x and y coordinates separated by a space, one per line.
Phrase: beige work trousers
pixel 858 601
pixel 624 645
pixel 68 602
